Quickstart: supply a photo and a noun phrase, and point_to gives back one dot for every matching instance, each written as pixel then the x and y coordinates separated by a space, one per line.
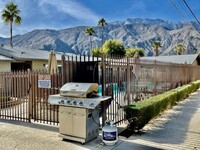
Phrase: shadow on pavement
pixel 31 125
pixel 172 127
pixel 133 146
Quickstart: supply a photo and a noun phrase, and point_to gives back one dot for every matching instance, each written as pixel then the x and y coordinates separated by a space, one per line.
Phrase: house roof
pixel 19 53
pixel 4 58
pixel 178 59
pixel 23 54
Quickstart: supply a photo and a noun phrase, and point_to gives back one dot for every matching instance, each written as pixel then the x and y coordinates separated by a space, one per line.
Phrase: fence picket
pixel 22 99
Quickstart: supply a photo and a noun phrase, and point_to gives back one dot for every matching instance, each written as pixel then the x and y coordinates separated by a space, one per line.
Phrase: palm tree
pixel 155 46
pixel 180 48
pixel 10 14
pixel 90 31
pixel 102 23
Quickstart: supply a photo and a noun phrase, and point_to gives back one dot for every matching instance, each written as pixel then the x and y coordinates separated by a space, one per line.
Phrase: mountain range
pixel 132 32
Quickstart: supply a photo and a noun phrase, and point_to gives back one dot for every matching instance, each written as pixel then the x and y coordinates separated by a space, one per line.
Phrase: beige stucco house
pixel 18 58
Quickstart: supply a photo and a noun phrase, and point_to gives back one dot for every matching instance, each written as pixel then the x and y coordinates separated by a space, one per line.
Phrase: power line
pixel 181 14
pixel 184 7
pixel 177 9
pixel 191 11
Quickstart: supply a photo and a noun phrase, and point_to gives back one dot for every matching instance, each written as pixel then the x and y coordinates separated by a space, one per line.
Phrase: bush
pixel 113 47
pixel 143 111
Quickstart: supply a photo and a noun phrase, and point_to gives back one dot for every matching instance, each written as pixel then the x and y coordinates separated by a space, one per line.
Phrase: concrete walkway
pixel 175 129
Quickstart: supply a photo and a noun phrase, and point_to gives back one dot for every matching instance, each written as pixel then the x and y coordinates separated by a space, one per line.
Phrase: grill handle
pixel 78 114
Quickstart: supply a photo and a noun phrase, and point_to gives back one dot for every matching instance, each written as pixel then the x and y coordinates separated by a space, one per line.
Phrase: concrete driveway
pixel 175 129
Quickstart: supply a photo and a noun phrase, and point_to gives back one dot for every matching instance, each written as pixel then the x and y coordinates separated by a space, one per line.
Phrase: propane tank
pixel 109 133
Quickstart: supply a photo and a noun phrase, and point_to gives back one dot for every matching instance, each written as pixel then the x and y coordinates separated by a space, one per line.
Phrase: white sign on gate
pixel 44 81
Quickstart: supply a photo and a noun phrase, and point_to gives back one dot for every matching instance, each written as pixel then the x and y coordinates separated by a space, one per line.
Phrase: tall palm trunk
pixel 11 45
pixel 156 51
pixel 102 36
pixel 90 45
pixel 10 15
pixel 90 31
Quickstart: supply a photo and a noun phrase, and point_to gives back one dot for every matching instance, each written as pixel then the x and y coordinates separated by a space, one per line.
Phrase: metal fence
pixel 22 99
pixel 39 108
pixel 80 69
pixel 126 80
pixel 14 96
pixel 129 80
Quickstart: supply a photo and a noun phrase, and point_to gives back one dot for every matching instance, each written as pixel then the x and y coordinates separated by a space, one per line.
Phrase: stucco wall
pixel 195 62
pixel 5 66
pixel 38 64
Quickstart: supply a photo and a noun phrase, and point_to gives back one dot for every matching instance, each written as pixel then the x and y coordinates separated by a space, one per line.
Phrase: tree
pixel 111 47
pixel 10 15
pixel 180 48
pixel 102 23
pixel 130 52
pixel 90 31
pixel 96 52
pixel 155 47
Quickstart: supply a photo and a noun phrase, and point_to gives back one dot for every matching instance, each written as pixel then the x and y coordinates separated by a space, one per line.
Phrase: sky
pixel 61 14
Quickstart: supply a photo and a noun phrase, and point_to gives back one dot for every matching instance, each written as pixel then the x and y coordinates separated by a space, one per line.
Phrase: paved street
pixel 176 129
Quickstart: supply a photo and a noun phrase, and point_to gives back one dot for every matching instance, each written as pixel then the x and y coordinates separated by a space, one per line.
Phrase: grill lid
pixel 85 90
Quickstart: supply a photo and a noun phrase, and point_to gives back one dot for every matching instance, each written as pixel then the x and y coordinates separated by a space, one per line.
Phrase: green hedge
pixel 141 112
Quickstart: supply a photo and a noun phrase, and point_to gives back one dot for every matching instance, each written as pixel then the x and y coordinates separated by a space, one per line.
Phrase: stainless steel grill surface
pixel 78 111
pixel 79 89
pixel 90 103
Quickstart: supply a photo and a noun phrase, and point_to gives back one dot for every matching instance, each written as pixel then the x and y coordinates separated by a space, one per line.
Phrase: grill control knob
pixel 68 102
pixel 62 101
pixel 74 102
pixel 81 103
pixel 91 104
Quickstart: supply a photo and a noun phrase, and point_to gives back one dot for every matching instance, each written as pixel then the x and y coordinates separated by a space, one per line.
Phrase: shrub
pixel 143 111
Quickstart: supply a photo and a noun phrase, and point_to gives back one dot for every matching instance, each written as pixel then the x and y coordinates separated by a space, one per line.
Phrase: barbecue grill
pixel 78 111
